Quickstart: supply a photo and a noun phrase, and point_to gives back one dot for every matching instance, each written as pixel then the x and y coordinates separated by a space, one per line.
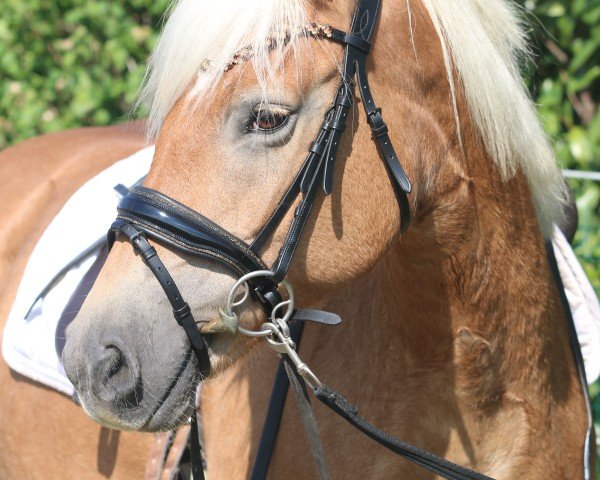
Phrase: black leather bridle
pixel 161 218
pixel 145 214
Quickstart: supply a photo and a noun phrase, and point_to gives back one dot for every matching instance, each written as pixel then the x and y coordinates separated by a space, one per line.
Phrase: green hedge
pixel 67 63
pixel 566 85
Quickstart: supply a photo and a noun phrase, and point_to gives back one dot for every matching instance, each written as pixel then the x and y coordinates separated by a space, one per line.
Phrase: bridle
pixel 145 214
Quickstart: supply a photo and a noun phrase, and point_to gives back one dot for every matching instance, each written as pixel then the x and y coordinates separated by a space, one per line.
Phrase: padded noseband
pixel 173 224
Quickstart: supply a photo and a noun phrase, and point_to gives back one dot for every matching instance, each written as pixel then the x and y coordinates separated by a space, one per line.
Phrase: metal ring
pixel 268 328
pixel 289 303
pixel 244 298
pixel 230 303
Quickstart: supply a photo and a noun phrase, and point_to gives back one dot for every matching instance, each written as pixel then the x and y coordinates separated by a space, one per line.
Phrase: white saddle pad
pixel 29 337
pixel 584 304
pixel 28 344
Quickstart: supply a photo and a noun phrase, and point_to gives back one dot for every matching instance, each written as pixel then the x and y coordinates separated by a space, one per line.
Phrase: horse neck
pixel 472 268
pixel 438 283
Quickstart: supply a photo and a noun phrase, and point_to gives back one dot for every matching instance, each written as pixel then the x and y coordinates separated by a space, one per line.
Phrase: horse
pixel 43 433
pixel 453 338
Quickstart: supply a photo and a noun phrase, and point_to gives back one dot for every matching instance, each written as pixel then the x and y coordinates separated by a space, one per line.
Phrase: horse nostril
pixel 116 364
pixel 116 377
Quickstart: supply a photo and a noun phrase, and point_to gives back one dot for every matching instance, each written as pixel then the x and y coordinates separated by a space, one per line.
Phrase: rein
pixel 145 214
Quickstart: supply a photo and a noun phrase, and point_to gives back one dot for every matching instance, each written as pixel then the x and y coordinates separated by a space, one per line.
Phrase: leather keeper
pixel 317 148
pixel 182 312
pixel 378 126
pixel 272 298
pixel 338 126
pixel 148 252
pixel 141 244
pixel 344 100
pixel 357 42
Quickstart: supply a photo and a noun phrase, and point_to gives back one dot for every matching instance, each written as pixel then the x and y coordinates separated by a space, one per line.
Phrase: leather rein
pixel 145 214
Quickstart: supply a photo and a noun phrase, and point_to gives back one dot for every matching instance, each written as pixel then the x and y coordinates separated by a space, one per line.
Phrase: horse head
pixel 230 151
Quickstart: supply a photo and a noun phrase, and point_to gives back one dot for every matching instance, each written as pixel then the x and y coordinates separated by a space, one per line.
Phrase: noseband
pixel 145 214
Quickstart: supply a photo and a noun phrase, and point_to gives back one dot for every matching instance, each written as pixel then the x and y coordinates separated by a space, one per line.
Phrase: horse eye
pixel 266 121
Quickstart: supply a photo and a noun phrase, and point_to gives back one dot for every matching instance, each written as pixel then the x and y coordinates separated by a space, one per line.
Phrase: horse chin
pixel 179 400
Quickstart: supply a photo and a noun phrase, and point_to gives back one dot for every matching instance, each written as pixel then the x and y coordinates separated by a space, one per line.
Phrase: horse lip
pixel 174 383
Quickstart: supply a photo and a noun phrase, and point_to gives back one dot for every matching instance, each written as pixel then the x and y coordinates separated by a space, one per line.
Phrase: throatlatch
pixel 145 214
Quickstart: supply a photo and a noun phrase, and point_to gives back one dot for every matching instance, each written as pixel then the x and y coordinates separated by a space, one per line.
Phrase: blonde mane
pixel 202 32
pixel 482 39
pixel 486 43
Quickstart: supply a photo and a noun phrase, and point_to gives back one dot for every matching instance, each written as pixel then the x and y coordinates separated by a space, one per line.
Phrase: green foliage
pixel 67 63
pixel 566 84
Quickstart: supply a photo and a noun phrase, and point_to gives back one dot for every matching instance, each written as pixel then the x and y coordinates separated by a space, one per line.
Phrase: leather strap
pixel 316 316
pixel 281 209
pixel 286 254
pixel 181 310
pixel 274 414
pixel 195 449
pixel 271 425
pixel 337 126
pixel 423 458
pixel 308 418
